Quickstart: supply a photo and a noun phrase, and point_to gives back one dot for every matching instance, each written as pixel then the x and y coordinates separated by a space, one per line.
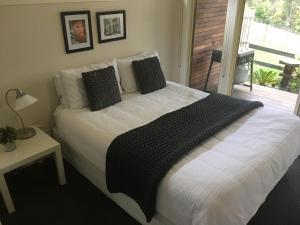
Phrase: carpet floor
pixel 39 200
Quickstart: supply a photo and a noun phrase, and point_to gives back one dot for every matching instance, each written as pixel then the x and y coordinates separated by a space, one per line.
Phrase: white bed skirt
pixel 92 173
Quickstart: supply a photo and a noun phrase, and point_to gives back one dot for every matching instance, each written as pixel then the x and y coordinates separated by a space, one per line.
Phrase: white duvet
pixel 223 181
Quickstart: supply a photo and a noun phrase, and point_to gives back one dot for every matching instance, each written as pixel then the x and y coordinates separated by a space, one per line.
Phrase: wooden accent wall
pixel 209 27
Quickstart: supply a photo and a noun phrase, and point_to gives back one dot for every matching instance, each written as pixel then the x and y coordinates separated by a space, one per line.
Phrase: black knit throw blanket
pixel 137 160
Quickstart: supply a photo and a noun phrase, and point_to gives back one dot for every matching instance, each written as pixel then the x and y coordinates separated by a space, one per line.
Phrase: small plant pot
pixel 10 146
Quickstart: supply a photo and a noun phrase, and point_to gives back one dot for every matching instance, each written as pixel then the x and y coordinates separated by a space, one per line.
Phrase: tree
pixel 284 14
pixel 263 13
pixel 297 21
pixel 279 15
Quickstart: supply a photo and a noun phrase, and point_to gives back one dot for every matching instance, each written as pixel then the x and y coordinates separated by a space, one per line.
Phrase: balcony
pixel 269 96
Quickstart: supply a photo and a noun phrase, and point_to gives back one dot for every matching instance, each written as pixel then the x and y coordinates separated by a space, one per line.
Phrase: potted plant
pixel 8 138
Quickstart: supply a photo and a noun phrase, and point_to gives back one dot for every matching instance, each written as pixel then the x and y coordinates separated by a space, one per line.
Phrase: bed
pixel 222 181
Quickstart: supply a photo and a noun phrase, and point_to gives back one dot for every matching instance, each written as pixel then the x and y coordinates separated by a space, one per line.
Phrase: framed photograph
pixel 111 26
pixel 77 31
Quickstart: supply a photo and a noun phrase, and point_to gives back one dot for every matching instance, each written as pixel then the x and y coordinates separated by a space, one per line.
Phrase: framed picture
pixel 111 26
pixel 77 31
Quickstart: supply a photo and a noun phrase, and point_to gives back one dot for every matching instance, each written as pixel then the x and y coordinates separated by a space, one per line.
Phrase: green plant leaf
pixel 7 135
pixel 265 77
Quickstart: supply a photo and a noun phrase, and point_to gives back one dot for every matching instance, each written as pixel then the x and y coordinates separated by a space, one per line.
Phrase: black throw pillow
pixel 101 88
pixel 149 75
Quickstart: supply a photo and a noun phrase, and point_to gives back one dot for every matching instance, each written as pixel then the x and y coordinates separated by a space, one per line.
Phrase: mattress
pixel 222 181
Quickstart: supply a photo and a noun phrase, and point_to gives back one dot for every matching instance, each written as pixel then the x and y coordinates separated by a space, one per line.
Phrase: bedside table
pixel 27 151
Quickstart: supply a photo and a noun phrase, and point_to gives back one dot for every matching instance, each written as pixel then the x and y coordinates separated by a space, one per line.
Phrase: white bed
pixel 222 182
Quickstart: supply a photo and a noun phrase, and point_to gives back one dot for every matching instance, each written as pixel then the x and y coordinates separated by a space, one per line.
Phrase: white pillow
pixel 127 78
pixel 60 91
pixel 73 86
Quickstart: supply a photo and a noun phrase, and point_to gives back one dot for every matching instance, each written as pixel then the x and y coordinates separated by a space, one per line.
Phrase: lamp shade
pixel 24 100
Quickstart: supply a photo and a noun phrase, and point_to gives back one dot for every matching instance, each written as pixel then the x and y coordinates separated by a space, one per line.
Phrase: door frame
pixel 186 40
pixel 233 27
pixel 297 106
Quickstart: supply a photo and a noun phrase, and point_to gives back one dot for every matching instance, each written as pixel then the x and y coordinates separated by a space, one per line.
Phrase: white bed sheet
pixel 223 181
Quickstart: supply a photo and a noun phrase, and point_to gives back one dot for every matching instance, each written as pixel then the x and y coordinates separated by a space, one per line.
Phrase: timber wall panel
pixel 209 27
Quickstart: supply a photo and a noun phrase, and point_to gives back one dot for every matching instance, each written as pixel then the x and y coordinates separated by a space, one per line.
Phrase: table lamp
pixel 23 100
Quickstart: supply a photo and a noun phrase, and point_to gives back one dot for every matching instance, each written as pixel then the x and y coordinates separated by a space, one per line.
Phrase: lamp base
pixel 25 133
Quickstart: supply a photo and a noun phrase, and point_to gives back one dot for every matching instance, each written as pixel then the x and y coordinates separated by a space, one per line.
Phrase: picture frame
pixel 111 26
pixel 77 31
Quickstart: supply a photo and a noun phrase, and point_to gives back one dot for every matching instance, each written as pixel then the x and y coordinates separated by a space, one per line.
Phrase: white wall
pixel 32 47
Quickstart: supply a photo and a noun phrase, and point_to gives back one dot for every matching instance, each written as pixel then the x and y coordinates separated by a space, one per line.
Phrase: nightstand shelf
pixel 29 151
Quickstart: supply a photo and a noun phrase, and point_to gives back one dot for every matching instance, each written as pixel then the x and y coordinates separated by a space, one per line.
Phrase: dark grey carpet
pixel 39 200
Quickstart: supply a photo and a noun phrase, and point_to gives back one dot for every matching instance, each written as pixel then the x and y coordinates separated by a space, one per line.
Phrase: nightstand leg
pixel 60 167
pixel 6 195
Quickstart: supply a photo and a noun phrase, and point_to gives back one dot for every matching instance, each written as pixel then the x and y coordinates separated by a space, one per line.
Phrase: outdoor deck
pixel 269 96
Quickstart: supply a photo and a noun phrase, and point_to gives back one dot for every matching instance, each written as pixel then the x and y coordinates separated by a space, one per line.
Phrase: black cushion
pixel 149 75
pixel 102 88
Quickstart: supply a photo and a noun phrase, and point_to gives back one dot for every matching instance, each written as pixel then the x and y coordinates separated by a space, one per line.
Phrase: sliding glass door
pixel 269 67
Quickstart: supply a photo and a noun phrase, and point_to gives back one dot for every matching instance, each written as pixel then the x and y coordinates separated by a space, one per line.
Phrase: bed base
pixel 91 172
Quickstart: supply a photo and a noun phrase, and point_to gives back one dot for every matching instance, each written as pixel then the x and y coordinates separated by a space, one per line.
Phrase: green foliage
pixel 270 77
pixel 297 21
pixel 7 135
pixel 284 14
pixel 279 16
pixel 265 77
pixel 294 85
pixel 263 13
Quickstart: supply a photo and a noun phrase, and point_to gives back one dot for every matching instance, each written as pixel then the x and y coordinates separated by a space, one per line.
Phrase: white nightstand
pixel 28 151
